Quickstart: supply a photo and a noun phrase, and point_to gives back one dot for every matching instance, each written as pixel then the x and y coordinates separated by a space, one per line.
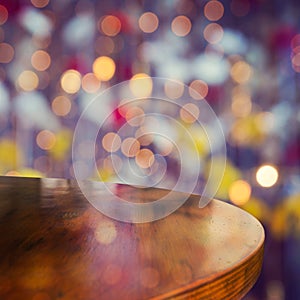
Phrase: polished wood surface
pixel 55 245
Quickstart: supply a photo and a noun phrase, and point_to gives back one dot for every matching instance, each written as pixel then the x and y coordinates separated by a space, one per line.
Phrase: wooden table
pixel 55 245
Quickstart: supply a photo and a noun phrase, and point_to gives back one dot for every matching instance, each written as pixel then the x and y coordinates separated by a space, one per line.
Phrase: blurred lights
pixel 181 26
pixel 105 232
pixel 239 192
pixel 104 68
pixel 267 175
pixel 144 158
pixel 40 3
pixel 3 14
pixel 213 33
pixel 148 22
pixel 189 113
pixel 198 89
pixel 28 81
pixel 130 147
pixel 90 83
pixel 71 81
pixel 174 89
pixel 40 60
pixel 104 45
pixel 45 139
pixel 7 53
pixel 241 105
pixel 135 116
pixel 61 106
pixel 110 25
pixel 141 85
pixel 111 142
pixel 214 10
pixel 241 72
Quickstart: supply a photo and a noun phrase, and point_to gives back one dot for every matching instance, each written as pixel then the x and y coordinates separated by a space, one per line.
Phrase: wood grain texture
pixel 55 245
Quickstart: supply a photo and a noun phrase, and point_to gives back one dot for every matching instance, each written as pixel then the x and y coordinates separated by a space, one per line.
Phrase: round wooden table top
pixel 55 245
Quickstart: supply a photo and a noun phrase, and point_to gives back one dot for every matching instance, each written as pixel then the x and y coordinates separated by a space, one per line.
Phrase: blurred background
pixel 242 56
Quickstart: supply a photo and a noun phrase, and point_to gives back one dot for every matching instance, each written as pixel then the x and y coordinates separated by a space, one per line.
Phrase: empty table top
pixel 55 245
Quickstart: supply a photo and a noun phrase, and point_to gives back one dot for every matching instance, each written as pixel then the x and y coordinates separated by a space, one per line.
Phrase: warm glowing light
pixel 28 81
pixel 130 147
pixel 105 232
pixel 148 22
pixel 240 8
pixel 189 113
pixel 239 192
pixel 241 72
pixel 198 89
pixel 174 89
pixel 135 116
pixel 296 62
pixel 61 106
pixel 3 15
pixel 90 83
pixel 40 3
pixel 214 10
pixel 45 139
pixel 141 85
pixel 143 137
pixel 40 60
pixel 181 26
pixel 111 142
pixel 213 33
pixel 104 45
pixel 149 277
pixel 110 25
pixel 71 81
pixel 267 175
pixel 104 68
pixel 144 158
pixel 241 102
pixel 7 53
pixel 295 43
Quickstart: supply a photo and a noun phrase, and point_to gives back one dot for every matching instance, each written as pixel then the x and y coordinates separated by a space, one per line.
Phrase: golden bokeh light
pixel 267 175
pixel 3 15
pixel 7 53
pixel 148 22
pixel 70 81
pixel 46 139
pixel 189 113
pixel 241 72
pixel 239 192
pixel 144 158
pixel 174 89
pixel 28 81
pixel 104 68
pixel 213 33
pixel 141 85
pixel 198 89
pixel 135 116
pixel 130 147
pixel 111 142
pixel 40 3
pixel 214 10
pixel 241 104
pixel 110 25
pixel 181 26
pixel 61 105
pixel 40 60
pixel 90 83
pixel 105 232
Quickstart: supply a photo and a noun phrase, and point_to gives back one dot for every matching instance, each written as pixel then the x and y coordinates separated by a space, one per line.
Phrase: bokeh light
pixel 198 89
pixel 104 68
pixel 45 139
pixel 148 22
pixel 144 158
pixel 111 142
pixel 6 53
pixel 90 83
pixel 40 60
pixel 105 232
pixel 61 105
pixel 110 25
pixel 213 33
pixel 267 175
pixel 181 26
pixel 239 192
pixel 40 3
pixel 135 116
pixel 141 85
pixel 174 89
pixel 28 80
pixel 3 14
pixel 241 72
pixel 70 81
pixel 213 10
pixel 130 147
pixel 189 113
